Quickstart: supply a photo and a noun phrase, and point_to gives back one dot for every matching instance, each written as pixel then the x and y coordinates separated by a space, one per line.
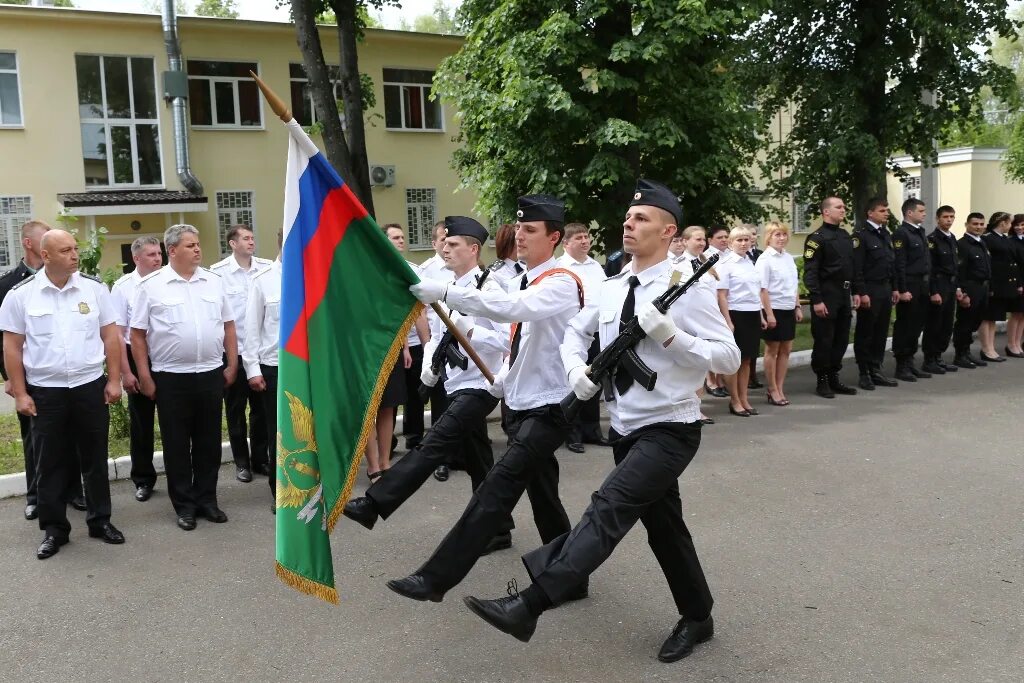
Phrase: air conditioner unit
pixel 383 176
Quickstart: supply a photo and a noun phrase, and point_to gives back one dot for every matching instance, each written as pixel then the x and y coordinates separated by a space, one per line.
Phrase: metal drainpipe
pixel 185 175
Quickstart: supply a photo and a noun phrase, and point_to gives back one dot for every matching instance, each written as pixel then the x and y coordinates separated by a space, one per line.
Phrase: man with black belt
pixel 183 324
pixel 141 409
pixel 463 426
pixel 828 272
pixel 974 273
pixel 59 328
pixel 945 292
pixel 237 271
pixel 913 266
pixel 533 383
pixel 655 433
pixel 259 355
pixel 31 236
pixel 873 271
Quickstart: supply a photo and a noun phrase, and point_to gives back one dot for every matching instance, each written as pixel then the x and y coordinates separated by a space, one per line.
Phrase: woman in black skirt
pixel 739 298
pixel 781 305
pixel 1004 287
pixel 1015 325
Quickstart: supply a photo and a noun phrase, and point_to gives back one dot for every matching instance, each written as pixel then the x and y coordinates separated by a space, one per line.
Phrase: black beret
pixel 540 207
pixel 653 193
pixel 455 226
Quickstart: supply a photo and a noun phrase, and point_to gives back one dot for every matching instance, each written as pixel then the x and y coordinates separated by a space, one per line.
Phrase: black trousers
pixel 872 327
pixel 938 327
pixel 528 465
pixel 412 410
pixel 236 398
pixel 189 410
pixel 74 489
pixel 643 487
pixel 70 434
pixel 587 424
pixel 461 429
pixel 141 433
pixel 269 400
pixel 910 320
pixel 968 320
pixel 832 334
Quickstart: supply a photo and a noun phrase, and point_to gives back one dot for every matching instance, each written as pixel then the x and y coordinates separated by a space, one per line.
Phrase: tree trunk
pixel 352 98
pixel 868 174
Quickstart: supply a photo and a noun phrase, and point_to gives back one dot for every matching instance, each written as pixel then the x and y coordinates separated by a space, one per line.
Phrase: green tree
pixel 440 20
pixel 854 72
pixel 581 99
pixel 56 3
pixel 225 9
pixel 157 7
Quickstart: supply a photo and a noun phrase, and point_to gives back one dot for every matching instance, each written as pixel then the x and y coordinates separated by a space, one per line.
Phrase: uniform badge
pixel 809 253
pixel 636 196
pixel 897 244
pixel 83 308
pixel 931 245
pixel 519 213
pixel 812 246
pixel 856 242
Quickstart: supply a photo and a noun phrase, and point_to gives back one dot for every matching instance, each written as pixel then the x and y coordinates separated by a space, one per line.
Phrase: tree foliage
pixel 441 20
pixel 156 7
pixel 225 9
pixel 56 3
pixel 854 72
pixel 579 99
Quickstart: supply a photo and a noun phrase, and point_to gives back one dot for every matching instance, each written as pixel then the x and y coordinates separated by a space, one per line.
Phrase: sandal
pixel 773 402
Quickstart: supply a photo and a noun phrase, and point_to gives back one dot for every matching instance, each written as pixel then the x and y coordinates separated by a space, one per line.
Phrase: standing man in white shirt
pixel 586 428
pixel 59 328
pixel 259 355
pixel 182 329
pixel 655 434
pixel 238 270
pixel 533 384
pixel 141 409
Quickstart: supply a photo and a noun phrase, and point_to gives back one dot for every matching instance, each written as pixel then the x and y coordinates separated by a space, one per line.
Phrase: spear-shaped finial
pixel 275 102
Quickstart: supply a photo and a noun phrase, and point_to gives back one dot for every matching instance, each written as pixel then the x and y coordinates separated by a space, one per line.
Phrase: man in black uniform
pixel 945 292
pixel 873 270
pixel 828 273
pixel 913 266
pixel 974 273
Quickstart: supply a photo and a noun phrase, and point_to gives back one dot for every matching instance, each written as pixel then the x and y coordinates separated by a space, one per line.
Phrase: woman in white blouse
pixel 779 300
pixel 739 298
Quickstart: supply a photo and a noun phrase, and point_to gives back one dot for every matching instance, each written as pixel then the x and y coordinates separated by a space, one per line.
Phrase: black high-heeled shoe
pixel 1011 354
pixel 739 413
pixel 773 402
pixel 991 359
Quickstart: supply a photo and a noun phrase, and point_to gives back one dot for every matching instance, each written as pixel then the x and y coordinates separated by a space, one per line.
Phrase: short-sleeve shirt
pixel 777 270
pixel 123 295
pixel 237 283
pixel 739 275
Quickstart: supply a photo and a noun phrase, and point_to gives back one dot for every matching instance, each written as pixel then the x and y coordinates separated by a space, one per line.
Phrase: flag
pixel 345 313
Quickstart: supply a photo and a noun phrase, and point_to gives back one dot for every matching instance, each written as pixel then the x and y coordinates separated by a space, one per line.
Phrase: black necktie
pixel 623 380
pixel 517 335
pixel 519 268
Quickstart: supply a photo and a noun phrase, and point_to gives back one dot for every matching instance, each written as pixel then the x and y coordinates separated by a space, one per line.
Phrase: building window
pixel 10 94
pixel 407 104
pixel 302 98
pixel 14 211
pixel 120 127
pixel 223 94
pixel 234 207
pixel 421 214
pixel 912 187
pixel 799 212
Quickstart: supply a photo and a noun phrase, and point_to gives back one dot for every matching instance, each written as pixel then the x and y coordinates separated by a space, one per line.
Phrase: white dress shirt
pixel 433 268
pixel 63 347
pixel 123 295
pixel 777 270
pixel 589 272
pixel 738 275
pixel 544 309
pixel 237 283
pixel 703 344
pixel 183 319
pixel 509 273
pixel 489 339
pixel 262 321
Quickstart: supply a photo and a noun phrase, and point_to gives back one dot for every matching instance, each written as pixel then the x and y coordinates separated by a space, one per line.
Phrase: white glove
pixel 428 377
pixel 656 324
pixel 497 388
pixel 464 324
pixel 581 384
pixel 428 291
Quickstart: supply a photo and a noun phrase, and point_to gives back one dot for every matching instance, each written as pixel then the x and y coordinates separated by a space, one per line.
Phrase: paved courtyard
pixel 872 538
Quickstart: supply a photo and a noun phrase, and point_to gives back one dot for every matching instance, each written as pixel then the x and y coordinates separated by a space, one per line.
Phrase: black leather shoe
pixel 865 382
pixel 361 510
pixel 880 380
pixel 441 473
pixel 964 362
pixel 581 593
pixel 415 587
pixel 508 615
pixel 243 474
pixel 822 389
pixel 977 361
pixel 49 547
pixel 905 374
pixel 920 374
pixel 142 493
pixel 837 386
pixel 992 359
pixel 684 637
pixel 1011 354
pixel 933 368
pixel 498 542
pixel 948 367
pixel 187 522
pixel 261 469
pixel 31 512
pixel 109 533
pixel 575 447
pixel 78 502
pixel 596 440
pixel 213 514
pixel 754 384
pixel 719 392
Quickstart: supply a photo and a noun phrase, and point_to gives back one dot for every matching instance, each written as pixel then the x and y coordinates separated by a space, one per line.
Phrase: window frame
pixel 424 99
pixel 417 245
pixel 21 100
pixel 13 238
pixel 234 80
pixel 309 102
pixel 222 241
pixel 131 123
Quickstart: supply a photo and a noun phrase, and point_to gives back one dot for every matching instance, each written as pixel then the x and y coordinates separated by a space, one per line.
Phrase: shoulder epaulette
pixel 262 272
pixel 27 280
pixel 123 278
pixel 264 261
pixel 151 275
pixel 210 271
pixel 218 264
pixel 618 274
pixel 87 276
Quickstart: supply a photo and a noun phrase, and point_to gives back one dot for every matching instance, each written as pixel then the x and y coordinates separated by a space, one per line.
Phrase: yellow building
pixel 85 127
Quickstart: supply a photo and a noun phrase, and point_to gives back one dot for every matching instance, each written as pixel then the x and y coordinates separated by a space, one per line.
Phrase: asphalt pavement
pixel 869 538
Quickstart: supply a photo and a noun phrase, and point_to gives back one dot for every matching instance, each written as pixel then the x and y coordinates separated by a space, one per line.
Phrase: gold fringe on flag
pixel 308 586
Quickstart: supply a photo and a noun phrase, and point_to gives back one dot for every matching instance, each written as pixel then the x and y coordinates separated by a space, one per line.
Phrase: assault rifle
pixel 620 355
